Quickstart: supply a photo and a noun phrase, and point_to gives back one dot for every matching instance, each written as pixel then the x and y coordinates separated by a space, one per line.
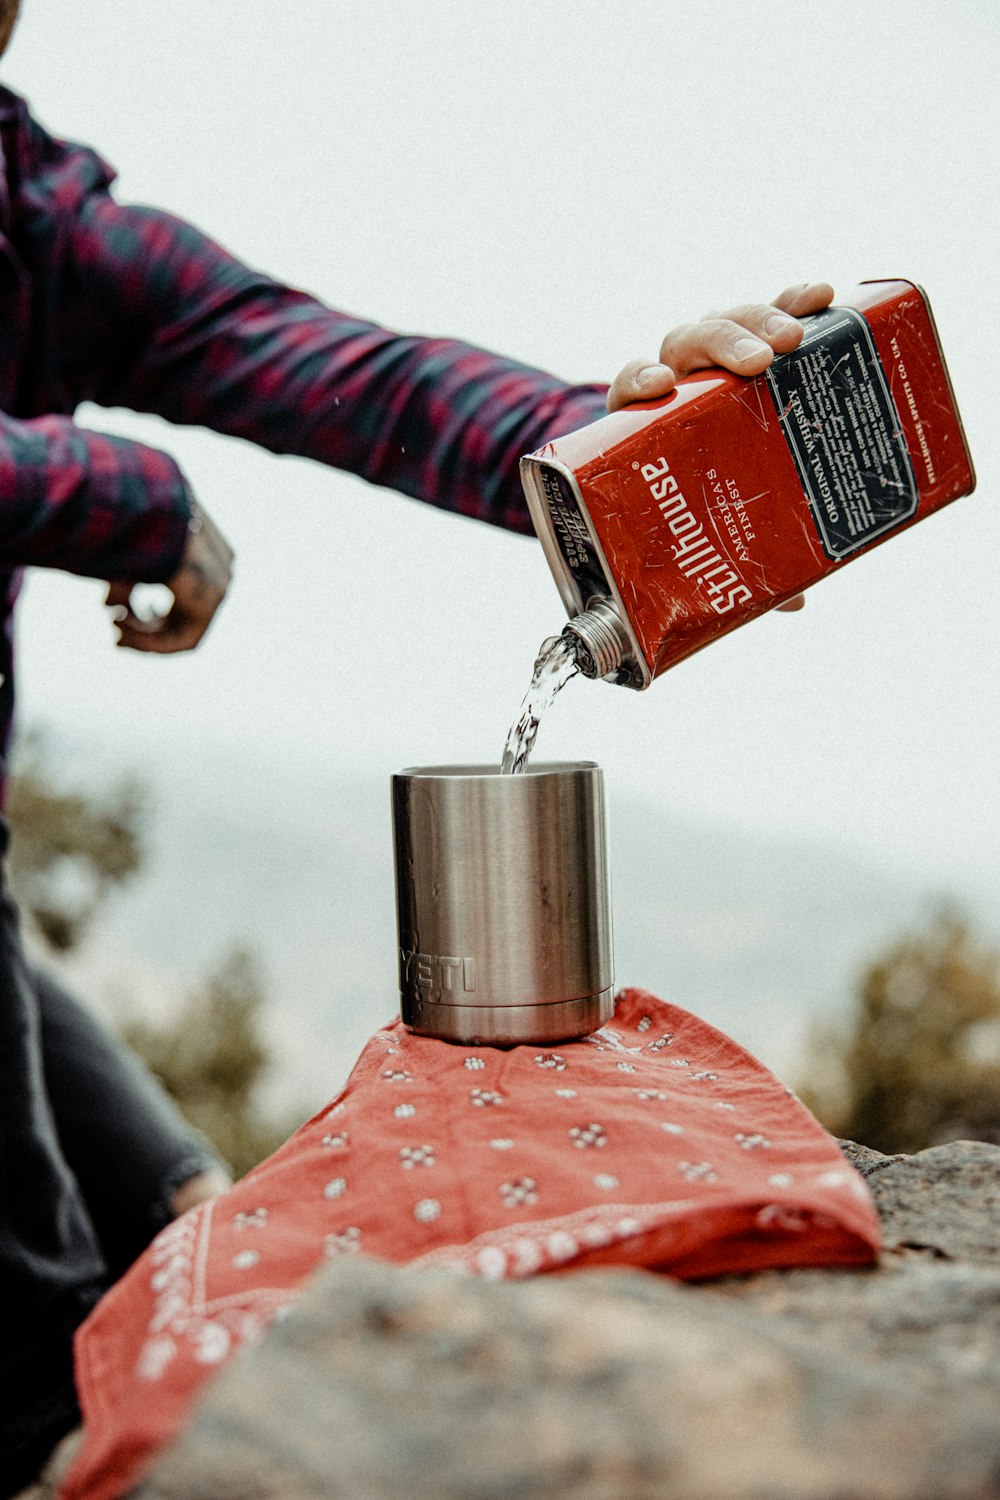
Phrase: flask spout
pixel 599 638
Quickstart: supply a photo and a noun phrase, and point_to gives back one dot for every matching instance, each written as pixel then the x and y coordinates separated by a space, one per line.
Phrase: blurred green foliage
pixel 211 1057
pixel 70 849
pixel 919 1061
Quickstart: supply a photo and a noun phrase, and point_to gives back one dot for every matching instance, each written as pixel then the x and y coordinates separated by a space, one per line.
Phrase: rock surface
pixel 880 1384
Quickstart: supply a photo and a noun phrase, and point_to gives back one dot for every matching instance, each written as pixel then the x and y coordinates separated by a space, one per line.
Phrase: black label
pixel 843 432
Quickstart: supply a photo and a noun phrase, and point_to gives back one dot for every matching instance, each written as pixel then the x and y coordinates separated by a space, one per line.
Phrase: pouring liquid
pixel 555 665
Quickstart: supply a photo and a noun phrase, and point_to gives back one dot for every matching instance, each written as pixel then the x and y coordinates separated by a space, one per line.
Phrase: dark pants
pixel 91 1151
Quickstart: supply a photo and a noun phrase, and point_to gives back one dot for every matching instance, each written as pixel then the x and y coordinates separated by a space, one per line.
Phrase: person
pixel 127 306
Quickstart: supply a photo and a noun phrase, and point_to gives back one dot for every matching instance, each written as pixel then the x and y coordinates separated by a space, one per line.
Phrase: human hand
pixel 742 339
pixel 201 1188
pixel 198 587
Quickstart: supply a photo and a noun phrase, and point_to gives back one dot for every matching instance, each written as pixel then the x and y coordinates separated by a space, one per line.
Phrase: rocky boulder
pixel 879 1384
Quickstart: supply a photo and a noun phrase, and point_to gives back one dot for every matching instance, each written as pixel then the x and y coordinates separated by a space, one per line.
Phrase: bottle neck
pixel 599 639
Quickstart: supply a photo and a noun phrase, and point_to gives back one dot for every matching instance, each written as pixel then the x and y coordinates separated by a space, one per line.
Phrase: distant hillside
pixel 760 938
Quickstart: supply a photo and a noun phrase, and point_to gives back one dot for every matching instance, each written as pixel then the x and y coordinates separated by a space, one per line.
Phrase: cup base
pixel 509 1025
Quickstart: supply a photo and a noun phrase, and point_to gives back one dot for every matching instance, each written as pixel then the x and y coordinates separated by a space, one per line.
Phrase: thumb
pixel 640 380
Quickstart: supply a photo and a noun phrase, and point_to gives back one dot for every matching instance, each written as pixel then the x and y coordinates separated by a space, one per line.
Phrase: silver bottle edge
pixel 569 591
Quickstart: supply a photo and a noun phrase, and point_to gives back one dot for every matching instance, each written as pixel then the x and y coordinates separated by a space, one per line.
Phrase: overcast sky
pixel 561 180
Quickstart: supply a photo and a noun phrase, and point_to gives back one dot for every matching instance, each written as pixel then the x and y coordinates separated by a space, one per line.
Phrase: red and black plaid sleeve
pixel 167 321
pixel 140 309
pixel 88 503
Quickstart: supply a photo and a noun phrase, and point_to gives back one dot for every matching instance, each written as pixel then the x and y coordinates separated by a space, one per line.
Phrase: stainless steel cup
pixel 503 902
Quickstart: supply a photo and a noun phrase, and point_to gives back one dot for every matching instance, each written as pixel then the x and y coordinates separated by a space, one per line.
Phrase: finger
pixel 792 606
pixel 715 341
pixel 121 600
pixel 805 298
pixel 641 380
pixel 133 626
pixel 118 601
pixel 156 645
pixel 118 594
pixel 178 631
pixel 764 321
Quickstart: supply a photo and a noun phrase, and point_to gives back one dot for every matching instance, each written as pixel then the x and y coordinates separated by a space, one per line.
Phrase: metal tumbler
pixel 503 902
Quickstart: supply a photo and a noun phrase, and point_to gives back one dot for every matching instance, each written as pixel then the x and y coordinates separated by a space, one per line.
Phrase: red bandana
pixel 657 1142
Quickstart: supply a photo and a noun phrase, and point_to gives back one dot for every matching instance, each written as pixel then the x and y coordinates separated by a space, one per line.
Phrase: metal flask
pixel 503 902
pixel 674 521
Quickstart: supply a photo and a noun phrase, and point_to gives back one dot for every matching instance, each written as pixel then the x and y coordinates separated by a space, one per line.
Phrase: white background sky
pixel 561 180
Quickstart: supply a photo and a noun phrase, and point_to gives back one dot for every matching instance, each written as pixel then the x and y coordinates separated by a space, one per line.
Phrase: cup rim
pixel 482 772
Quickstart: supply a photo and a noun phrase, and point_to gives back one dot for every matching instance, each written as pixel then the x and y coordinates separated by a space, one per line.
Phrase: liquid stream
pixel 555 665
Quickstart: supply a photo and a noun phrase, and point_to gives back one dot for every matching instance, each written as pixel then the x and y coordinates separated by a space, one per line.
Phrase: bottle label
pixel 572 535
pixel 843 433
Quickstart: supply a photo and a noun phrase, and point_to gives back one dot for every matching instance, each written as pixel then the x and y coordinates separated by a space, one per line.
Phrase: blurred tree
pixel 69 849
pixel 921 1063
pixel 212 1059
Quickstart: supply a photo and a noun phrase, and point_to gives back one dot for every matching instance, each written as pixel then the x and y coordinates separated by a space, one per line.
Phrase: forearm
pixel 211 343
pixel 89 503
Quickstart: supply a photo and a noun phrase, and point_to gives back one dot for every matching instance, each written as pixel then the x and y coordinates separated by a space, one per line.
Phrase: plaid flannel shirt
pixel 127 306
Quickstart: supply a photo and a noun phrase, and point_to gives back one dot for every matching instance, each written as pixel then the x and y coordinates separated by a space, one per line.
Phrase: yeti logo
pixel 439 972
